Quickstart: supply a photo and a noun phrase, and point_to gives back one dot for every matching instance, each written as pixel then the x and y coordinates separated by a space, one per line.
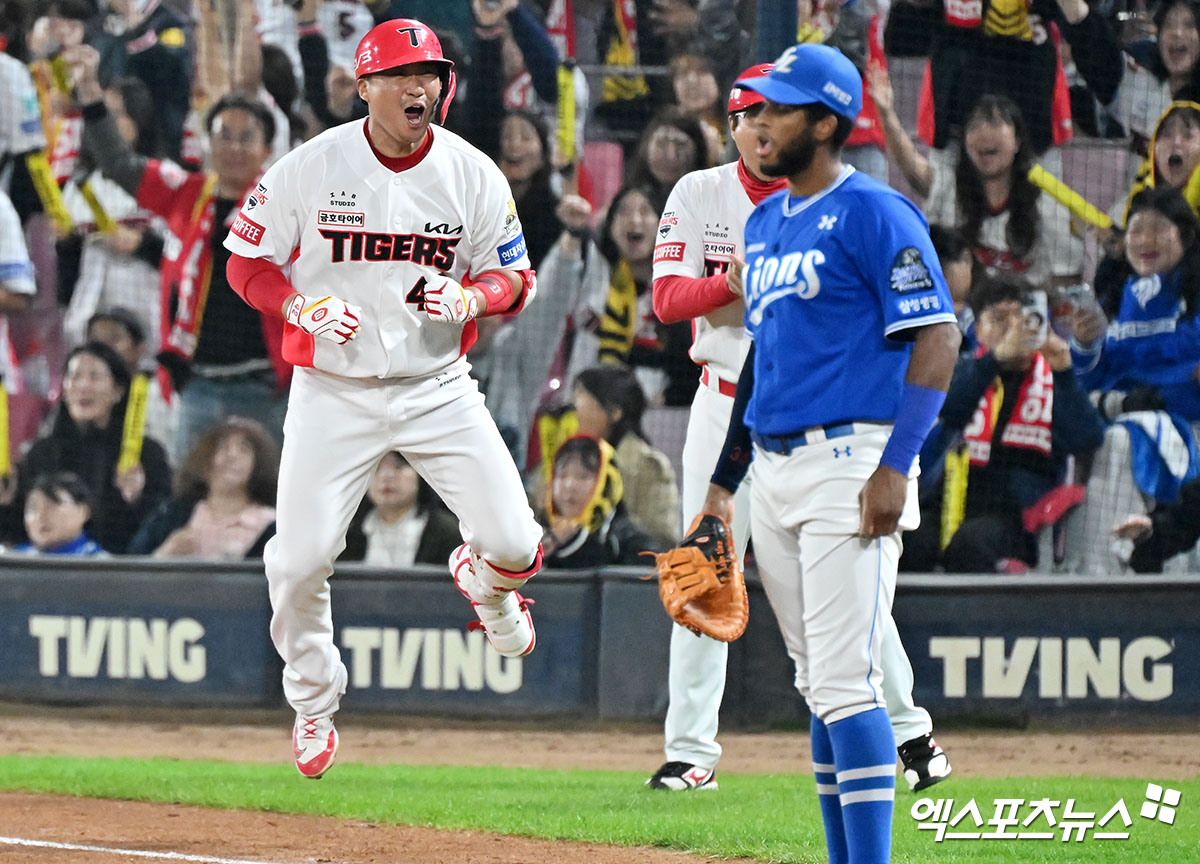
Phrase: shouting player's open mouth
pixel 415 113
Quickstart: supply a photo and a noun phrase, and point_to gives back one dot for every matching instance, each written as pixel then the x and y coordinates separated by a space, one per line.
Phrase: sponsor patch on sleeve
pixel 909 272
pixel 247 229
pixel 669 221
pixel 512 225
pixel 512 251
pixel 668 252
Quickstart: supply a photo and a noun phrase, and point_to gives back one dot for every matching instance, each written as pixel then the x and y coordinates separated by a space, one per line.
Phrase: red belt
pixel 725 388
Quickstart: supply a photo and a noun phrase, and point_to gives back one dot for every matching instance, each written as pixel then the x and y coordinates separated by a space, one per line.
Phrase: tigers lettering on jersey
pixel 369 246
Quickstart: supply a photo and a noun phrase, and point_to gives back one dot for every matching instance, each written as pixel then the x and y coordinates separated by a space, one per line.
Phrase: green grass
pixel 767 817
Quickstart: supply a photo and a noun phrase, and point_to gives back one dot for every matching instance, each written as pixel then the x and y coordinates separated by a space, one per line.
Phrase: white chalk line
pixel 131 853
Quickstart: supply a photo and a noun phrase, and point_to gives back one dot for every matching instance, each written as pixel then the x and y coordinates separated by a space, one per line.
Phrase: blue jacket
pixel 1150 344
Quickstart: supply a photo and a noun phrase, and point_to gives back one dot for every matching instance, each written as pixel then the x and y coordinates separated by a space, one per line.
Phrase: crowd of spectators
pixel 146 400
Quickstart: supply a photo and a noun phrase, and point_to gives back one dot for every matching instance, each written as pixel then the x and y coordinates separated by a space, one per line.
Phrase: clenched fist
pixel 325 317
pixel 449 302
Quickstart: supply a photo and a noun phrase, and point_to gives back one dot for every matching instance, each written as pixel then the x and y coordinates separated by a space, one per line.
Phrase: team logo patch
pixel 668 252
pixel 669 221
pixel 341 217
pixel 248 230
pixel 512 225
pixel 909 272
pixel 512 251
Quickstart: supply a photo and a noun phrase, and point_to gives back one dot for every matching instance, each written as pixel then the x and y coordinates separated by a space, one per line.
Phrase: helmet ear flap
pixel 449 84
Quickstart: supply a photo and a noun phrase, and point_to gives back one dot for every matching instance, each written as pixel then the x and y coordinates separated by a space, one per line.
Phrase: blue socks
pixel 864 750
pixel 827 792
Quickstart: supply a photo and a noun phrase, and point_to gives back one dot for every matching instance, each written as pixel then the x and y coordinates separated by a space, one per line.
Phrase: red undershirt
pixel 681 298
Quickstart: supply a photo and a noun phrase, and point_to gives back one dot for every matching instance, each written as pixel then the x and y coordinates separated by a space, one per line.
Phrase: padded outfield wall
pixel 132 631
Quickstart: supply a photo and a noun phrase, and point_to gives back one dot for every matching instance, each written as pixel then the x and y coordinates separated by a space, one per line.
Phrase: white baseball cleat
pixel 314 743
pixel 503 613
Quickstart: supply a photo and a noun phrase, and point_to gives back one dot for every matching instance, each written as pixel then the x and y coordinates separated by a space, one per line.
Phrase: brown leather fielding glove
pixel 701 583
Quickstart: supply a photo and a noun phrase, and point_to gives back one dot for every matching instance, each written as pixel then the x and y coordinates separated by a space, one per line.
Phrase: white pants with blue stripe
pixel 831 590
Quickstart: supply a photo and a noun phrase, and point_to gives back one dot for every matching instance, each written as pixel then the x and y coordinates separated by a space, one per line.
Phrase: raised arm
pixel 900 146
pixel 101 138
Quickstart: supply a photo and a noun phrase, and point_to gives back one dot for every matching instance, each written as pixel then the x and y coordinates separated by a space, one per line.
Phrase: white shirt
pixel 375 237
pixel 1056 250
pixel 395 544
pixel 701 229
pixel 16 275
pixel 20 118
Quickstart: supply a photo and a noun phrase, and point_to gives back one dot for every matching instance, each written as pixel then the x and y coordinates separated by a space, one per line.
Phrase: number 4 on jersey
pixel 416 294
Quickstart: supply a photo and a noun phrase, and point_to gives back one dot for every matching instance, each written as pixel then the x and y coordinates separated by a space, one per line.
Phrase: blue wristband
pixel 919 408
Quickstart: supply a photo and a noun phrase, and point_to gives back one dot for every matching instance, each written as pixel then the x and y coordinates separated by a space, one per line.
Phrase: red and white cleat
pixel 315 743
pixel 503 613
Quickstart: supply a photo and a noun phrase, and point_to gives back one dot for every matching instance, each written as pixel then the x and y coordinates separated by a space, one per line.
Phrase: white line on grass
pixel 132 853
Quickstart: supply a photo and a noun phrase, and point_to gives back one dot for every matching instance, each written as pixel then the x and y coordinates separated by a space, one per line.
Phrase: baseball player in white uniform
pixel 398 234
pixel 698 275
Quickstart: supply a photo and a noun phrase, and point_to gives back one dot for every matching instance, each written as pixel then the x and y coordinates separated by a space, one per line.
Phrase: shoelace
pixel 310 728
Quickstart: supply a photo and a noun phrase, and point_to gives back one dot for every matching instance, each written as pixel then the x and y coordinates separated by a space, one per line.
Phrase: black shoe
pixel 924 762
pixel 682 777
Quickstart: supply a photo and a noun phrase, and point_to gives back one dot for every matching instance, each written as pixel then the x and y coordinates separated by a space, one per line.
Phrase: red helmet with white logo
pixel 399 42
pixel 739 98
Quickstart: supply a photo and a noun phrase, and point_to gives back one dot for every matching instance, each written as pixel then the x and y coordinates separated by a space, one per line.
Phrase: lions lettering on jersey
pixel 774 276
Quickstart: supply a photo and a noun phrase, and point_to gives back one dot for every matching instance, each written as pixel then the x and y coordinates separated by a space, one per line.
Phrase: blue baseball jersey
pixel 835 285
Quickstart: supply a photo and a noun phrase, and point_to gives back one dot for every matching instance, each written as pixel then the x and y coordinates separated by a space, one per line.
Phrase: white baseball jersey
pixel 20 118
pixel 700 232
pixel 375 238
pixel 16 275
pixel 1056 252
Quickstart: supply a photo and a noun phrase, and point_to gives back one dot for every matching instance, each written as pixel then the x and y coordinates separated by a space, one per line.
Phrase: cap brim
pixel 778 91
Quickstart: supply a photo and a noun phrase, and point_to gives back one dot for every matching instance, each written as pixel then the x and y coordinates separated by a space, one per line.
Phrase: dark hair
pixel 1024 220
pixel 581 447
pixel 74 10
pixel 427 499
pixel 191 484
pixel 818 111
pixel 123 317
pixel 1190 117
pixel 139 105
pixel 279 78
pixel 238 102
pixel 615 386
pixel 1170 202
pixel 948 243
pixel 639 171
pixel 67 482
pixel 540 188
pixel 1159 16
pixel 116 366
pixel 994 288
pixel 608 247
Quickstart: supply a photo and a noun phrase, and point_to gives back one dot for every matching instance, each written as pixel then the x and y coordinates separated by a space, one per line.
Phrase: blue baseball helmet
pixel 806 73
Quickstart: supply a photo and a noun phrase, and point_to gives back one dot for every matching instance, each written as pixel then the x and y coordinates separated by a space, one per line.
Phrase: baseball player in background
pixel 698 274
pixel 399 234
pixel 854 342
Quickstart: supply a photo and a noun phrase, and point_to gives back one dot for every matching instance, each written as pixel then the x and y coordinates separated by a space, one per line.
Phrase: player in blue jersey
pixel 854 342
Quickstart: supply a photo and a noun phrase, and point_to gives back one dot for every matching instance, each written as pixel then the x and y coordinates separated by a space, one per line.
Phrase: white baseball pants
pixel 336 431
pixel 831 590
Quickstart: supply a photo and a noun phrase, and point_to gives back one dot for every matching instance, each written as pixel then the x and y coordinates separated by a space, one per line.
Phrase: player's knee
pixel 291 562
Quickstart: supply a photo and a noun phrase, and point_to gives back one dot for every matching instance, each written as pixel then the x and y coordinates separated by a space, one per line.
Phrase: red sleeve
pixel 681 298
pixel 260 283
pixel 164 185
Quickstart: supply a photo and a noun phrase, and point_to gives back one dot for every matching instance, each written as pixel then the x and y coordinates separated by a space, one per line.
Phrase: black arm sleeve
pixel 1097 55
pixel 103 142
pixel 1075 426
pixel 737 450
pixel 21 189
pixel 1176 529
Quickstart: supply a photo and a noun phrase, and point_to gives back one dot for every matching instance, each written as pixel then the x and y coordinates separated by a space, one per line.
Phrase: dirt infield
pixel 281 839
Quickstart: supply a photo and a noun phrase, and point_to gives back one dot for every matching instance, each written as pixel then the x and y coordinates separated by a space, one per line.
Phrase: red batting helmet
pixel 399 42
pixel 739 98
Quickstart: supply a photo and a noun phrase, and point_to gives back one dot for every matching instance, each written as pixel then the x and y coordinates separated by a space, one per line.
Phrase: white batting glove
pixel 325 317
pixel 449 302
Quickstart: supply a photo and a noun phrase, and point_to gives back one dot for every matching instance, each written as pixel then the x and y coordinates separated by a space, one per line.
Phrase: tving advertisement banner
pixel 1047 646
